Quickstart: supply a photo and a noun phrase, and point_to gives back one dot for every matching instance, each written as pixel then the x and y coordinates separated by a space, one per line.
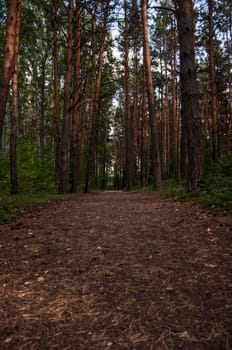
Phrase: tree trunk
pixel 63 170
pixel 143 142
pixel 165 115
pixel 134 122
pixel 175 114
pixel 127 131
pixel 213 85
pixel 156 166
pixel 75 152
pixel 56 92
pixel 42 109
pixel 15 113
pixel 8 58
pixel 190 116
pixel 91 86
pixel 92 139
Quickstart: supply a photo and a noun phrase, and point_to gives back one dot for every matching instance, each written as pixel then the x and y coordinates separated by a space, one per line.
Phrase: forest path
pixel 116 270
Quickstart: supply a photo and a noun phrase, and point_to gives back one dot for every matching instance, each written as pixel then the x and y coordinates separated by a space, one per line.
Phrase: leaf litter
pixel 116 270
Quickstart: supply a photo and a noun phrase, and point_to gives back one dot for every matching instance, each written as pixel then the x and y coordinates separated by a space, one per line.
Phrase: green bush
pixel 36 173
pixel 218 182
pixel 4 173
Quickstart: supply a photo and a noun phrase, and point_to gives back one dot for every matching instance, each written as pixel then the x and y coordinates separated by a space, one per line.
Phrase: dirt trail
pixel 116 271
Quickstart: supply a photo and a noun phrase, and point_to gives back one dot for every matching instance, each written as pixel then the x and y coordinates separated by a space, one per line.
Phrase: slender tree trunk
pixel 42 109
pixel 63 170
pixel 8 58
pixel 92 140
pixel 143 149
pixel 229 39
pixel 118 163
pixel 127 131
pixel 156 166
pixel 174 87
pixel 15 113
pixel 165 115
pixel 75 152
pixel 104 138
pixel 91 87
pixel 229 131
pixel 91 132
pixel 213 84
pixel 190 116
pixel 56 91
pixel 134 122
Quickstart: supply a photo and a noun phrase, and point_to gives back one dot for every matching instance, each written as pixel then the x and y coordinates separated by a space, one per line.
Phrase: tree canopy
pixel 93 113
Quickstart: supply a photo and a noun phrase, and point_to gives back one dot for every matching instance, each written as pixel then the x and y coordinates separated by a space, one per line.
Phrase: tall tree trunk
pixel 15 113
pixel 175 114
pixel 190 116
pixel 42 108
pixel 213 84
pixel 229 39
pixel 165 115
pixel 63 170
pixel 104 138
pixel 134 122
pixel 127 163
pixel 91 132
pixel 8 58
pixel 75 152
pixel 56 91
pixel 156 166
pixel 92 140
pixel 229 130
pixel 143 143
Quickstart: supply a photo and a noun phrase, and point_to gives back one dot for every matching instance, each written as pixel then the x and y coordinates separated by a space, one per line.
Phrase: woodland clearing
pixel 116 270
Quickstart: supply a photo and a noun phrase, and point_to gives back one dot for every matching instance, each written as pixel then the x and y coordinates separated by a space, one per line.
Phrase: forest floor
pixel 116 270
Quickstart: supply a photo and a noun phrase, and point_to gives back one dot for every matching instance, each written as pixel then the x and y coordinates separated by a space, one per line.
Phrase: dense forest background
pixel 80 113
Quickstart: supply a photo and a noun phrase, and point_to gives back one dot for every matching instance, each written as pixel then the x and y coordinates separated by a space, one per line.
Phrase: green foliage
pixel 35 177
pixel 174 188
pixel 36 173
pixel 12 206
pixel 218 183
pixel 4 173
pixel 215 192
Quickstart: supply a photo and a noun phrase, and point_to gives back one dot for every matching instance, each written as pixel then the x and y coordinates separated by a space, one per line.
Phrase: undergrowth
pixel 215 192
pixel 37 187
pixel 12 206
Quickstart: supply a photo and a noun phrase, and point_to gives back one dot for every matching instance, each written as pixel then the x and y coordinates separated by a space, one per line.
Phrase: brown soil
pixel 116 271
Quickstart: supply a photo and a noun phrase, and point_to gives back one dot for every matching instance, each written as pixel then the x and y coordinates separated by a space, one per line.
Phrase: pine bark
pixel 56 91
pixel 213 85
pixel 8 58
pixel 165 116
pixel 91 86
pixel 15 113
pixel 63 169
pixel 175 114
pixel 192 135
pixel 42 107
pixel 143 141
pixel 134 122
pixel 95 105
pixel 75 151
pixel 155 154
pixel 127 131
